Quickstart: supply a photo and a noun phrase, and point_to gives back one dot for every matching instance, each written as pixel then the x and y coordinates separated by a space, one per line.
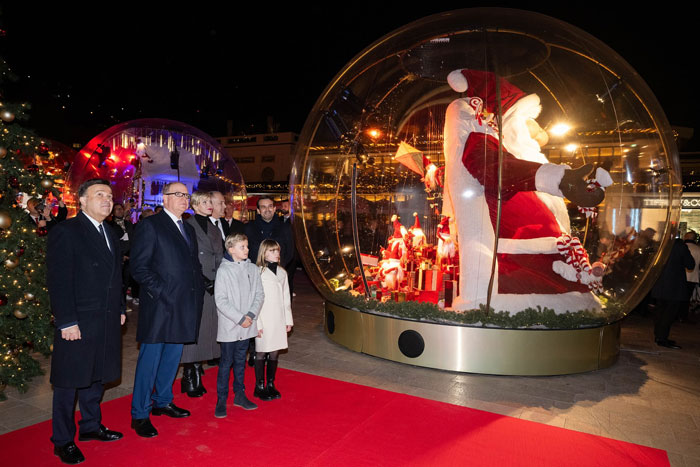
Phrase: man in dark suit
pixel 40 213
pixel 268 225
pixel 164 261
pixel 224 213
pixel 124 230
pixel 670 292
pixel 84 282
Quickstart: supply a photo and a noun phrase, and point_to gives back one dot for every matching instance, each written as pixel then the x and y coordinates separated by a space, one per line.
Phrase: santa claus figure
pixel 417 235
pixel 538 263
pixel 397 243
pixel 390 272
pixel 446 249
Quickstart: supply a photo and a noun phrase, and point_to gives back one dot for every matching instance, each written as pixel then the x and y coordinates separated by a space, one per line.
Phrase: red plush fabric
pixel 526 274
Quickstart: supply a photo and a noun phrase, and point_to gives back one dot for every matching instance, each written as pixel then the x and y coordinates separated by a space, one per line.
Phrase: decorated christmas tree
pixel 25 317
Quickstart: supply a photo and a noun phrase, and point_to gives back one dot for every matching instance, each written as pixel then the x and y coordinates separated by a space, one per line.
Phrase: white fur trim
pixel 543 245
pixel 528 107
pixel 566 271
pixel 457 81
pixel 603 177
pixel 548 177
pixel 569 273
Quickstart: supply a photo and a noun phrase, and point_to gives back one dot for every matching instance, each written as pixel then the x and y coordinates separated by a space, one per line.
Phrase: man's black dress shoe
pixel 143 427
pixel 668 344
pixel 171 410
pixel 69 453
pixel 103 434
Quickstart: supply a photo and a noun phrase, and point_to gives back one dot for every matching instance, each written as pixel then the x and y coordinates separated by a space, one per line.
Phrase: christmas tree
pixel 25 317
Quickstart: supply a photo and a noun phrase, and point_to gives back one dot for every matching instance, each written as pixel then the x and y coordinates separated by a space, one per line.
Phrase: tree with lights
pixel 25 315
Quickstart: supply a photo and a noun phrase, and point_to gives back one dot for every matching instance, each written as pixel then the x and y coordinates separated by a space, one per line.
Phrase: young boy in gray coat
pixel 239 295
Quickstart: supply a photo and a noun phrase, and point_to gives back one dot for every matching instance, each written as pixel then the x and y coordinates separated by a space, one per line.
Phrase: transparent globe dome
pixel 475 120
pixel 139 157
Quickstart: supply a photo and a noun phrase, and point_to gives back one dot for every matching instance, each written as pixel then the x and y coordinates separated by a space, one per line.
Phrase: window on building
pixel 244 160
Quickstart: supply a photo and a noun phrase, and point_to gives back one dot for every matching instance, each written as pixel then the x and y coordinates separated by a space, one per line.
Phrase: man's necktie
pixel 182 231
pixel 102 232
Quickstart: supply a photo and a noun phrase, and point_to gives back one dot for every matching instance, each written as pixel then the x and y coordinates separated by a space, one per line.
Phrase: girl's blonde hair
pixel 266 245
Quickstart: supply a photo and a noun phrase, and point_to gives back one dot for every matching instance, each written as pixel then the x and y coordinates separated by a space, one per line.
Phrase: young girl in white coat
pixel 274 320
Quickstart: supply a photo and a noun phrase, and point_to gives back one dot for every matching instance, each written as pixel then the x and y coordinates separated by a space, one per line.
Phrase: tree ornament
pixel 3 152
pixel 43 149
pixel 46 183
pixel 7 116
pixel 42 231
pixel 19 251
pixel 3 299
pixel 29 296
pixel 11 262
pixel 5 219
pixel 14 183
pixel 19 314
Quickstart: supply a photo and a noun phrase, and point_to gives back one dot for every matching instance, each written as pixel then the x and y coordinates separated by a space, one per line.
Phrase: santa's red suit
pixel 530 271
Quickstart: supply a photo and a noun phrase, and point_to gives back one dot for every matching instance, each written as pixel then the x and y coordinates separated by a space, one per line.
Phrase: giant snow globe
pixel 485 190
pixel 139 157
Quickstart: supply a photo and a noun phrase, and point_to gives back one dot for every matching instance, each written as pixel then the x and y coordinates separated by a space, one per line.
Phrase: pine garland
pixel 530 318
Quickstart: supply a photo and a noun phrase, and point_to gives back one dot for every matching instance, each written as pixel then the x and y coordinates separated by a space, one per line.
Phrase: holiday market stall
pixel 485 190
pixel 140 156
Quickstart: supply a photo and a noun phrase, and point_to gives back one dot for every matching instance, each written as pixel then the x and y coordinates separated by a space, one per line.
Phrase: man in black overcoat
pixel 269 226
pixel 164 260
pixel 670 292
pixel 84 283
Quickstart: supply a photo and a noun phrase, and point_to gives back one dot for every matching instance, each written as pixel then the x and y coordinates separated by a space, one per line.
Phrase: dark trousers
pixel 156 367
pixel 232 355
pixel 685 309
pixel 63 421
pixel 667 311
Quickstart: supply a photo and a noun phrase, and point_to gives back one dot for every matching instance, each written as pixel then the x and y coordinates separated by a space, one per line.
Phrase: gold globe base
pixel 524 352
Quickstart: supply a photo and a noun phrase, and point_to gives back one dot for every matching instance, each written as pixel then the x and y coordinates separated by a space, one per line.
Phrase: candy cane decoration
pixel 580 269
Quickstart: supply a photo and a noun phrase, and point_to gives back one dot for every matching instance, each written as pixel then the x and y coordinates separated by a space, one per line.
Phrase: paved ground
pixel 651 396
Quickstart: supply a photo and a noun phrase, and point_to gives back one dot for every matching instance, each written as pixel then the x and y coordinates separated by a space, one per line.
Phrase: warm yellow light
pixel 374 133
pixel 571 147
pixel 560 129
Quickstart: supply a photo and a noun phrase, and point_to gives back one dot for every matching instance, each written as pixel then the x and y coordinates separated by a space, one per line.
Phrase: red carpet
pixel 324 422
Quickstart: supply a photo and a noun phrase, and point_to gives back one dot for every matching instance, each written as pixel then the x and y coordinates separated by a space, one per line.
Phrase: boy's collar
pixel 230 258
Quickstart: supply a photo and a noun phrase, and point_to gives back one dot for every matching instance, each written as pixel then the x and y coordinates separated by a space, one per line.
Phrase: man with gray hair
pixel 164 260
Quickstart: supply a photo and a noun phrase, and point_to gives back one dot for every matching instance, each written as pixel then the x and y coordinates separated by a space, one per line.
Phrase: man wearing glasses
pixel 164 261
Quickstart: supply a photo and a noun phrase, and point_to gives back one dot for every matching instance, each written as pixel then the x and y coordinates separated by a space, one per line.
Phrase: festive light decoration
pixel 5 219
pixel 7 116
pixel 11 262
pixel 25 317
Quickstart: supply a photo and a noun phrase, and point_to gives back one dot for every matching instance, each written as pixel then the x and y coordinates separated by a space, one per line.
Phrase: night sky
pixel 84 71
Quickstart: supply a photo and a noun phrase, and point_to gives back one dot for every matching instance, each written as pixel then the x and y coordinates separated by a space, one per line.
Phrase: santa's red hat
pixel 482 84
pixel 397 226
pixel 416 222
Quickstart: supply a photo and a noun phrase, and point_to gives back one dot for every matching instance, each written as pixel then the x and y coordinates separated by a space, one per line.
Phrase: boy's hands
pixel 247 322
